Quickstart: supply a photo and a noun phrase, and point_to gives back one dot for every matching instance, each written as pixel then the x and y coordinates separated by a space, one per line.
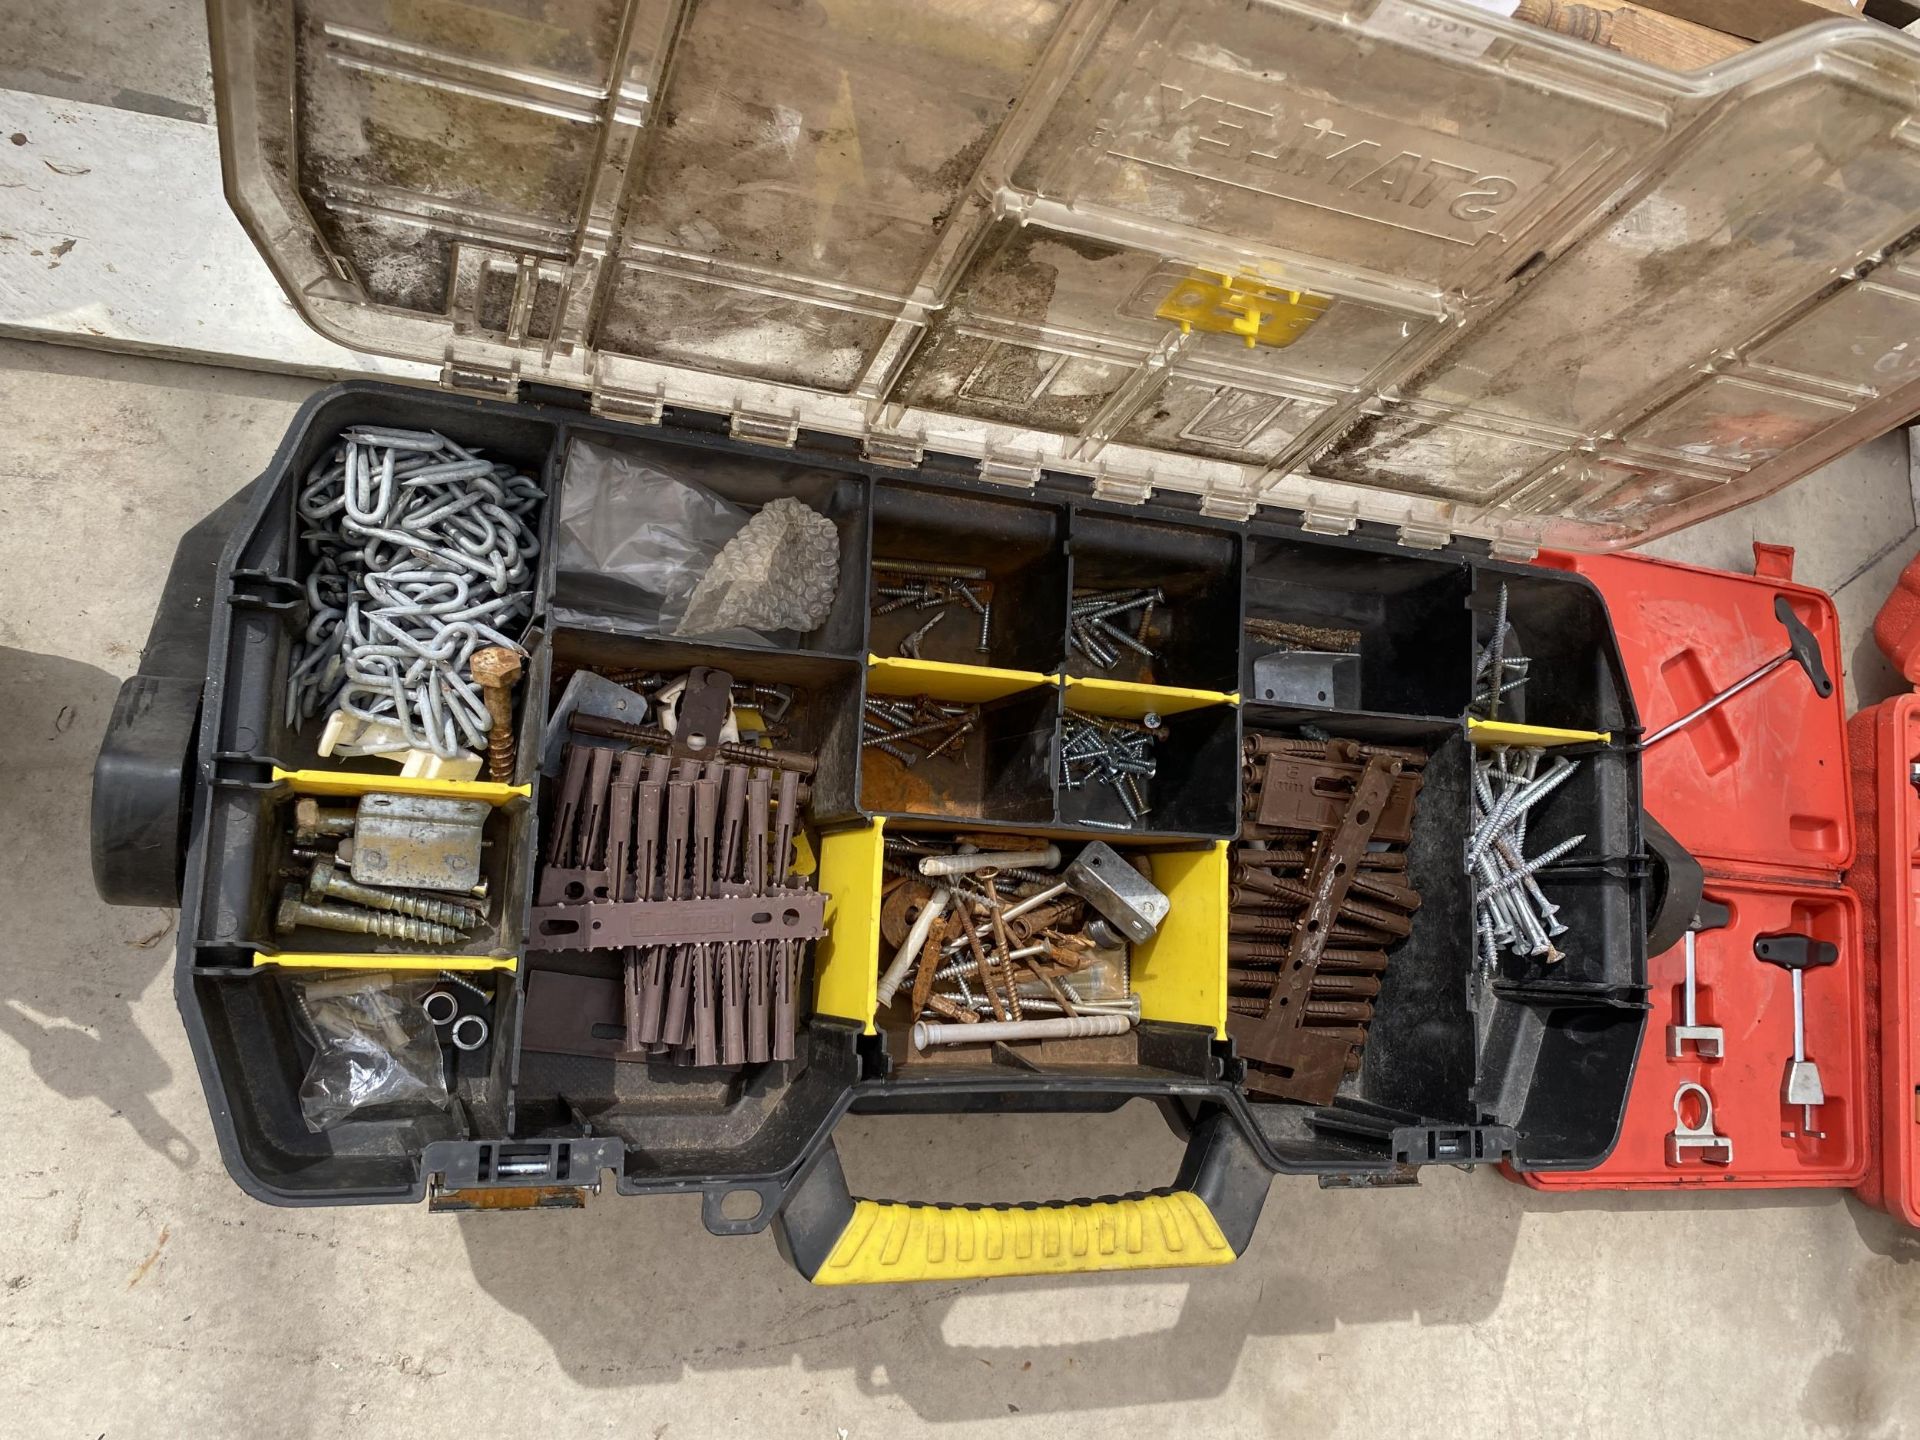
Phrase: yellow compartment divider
pixel 846 975
pixel 961 684
pixel 1118 700
pixel 1181 973
pixel 320 960
pixel 354 783
pixel 888 1241
pixel 1487 733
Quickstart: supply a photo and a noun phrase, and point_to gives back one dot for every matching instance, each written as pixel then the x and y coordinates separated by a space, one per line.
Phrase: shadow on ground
pixel 67 995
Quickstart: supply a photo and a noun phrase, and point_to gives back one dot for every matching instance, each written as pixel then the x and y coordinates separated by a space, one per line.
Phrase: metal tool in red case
pixel 1798 954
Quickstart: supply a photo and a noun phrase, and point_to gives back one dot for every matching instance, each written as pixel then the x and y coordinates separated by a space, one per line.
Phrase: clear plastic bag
pixel 373 1046
pixel 637 537
pixel 666 549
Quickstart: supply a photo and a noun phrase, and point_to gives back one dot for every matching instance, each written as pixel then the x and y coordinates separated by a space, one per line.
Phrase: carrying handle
pixel 1206 1218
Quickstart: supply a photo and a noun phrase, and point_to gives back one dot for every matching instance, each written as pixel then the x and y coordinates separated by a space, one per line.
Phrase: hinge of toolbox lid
pixel 1398 1176
pixel 1008 469
pixel 900 452
pixel 470 378
pixel 765 427
pixel 1319 518
pixel 516 1174
pixel 635 407
pixel 1126 489
pixel 1424 535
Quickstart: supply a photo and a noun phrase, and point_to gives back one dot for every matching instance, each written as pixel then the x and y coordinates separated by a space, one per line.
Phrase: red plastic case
pixel 1886 743
pixel 1758 792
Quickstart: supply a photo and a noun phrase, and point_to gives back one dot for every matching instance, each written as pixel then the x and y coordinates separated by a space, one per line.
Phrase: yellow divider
pixel 961 684
pixel 887 1242
pixel 350 783
pixel 846 975
pixel 1119 700
pixel 1487 733
pixel 1181 973
pixel 319 960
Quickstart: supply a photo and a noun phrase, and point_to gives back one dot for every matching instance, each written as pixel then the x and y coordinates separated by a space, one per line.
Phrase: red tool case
pixel 1759 793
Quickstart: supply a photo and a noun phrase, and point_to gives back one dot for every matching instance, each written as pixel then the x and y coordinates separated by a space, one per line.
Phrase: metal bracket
pixel 1103 878
pixel 418 842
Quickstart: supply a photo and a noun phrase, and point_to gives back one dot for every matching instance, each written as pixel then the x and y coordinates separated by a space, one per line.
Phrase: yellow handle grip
pixel 889 1241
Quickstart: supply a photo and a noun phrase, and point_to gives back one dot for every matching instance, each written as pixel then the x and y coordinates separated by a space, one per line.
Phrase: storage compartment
pixel 1573 678
pixel 988 758
pixel 921 534
pixel 1191 580
pixel 640 509
pixel 1175 978
pixel 1405 618
pixel 822 720
pixel 1190 739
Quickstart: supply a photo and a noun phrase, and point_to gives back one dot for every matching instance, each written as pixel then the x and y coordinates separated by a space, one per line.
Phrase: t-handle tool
pixel 1798 954
pixel 1708 1041
pixel 1802 648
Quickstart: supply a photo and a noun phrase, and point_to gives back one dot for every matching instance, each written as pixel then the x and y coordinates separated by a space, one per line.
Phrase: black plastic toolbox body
pixel 1535 1070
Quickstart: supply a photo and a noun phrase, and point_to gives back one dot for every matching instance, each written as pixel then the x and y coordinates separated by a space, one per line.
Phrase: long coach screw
pixel 294 912
pixel 327 882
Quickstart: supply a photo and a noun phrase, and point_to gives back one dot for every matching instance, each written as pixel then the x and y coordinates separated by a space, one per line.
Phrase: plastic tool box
pixel 1320 313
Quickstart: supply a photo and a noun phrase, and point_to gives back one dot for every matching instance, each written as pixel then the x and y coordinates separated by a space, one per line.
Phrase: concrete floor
pixel 143 1294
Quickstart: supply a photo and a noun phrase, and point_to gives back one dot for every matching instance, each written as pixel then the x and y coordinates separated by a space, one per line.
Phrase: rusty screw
pixel 295 912
pixel 327 882
pixel 496 670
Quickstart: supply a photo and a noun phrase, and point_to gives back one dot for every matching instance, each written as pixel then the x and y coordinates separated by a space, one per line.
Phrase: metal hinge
pixel 765 428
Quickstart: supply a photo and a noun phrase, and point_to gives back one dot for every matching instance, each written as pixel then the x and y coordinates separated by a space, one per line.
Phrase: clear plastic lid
pixel 1387 260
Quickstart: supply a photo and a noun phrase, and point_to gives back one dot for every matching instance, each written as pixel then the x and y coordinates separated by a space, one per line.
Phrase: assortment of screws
pixel 1318 895
pixel 420 555
pixel 1115 753
pixel 1499 668
pixel 922 585
pixel 1002 936
pixel 918 728
pixel 1511 911
pixel 1100 618
pixel 321 893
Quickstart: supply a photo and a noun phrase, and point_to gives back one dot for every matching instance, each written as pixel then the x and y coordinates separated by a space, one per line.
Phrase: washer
pixel 441 1006
pixel 469 1033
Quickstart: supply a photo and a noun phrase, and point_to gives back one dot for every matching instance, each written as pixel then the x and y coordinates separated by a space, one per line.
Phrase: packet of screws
pixel 1115 754
pixel 323 892
pixel 925 585
pixel 995 942
pixel 1318 895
